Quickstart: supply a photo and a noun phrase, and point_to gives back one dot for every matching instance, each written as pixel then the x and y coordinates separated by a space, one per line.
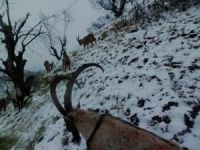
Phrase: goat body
pixel 30 84
pixel 110 133
pixel 87 40
pixel 3 104
pixel 16 97
pixel 115 134
pixel 65 61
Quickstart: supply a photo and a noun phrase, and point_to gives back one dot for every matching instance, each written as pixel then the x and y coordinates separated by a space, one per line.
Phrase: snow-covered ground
pixel 151 79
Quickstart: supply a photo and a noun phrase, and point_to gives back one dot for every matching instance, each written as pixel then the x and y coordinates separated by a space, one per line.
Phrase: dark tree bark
pixel 13 35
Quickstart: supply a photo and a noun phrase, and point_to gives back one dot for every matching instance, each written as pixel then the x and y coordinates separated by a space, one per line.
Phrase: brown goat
pixel 86 40
pixel 103 132
pixel 48 66
pixel 3 104
pixel 65 61
pixel 16 97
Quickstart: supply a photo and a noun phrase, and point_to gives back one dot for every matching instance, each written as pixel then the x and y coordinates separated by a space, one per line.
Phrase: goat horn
pixel 85 66
pixel 68 122
pixel 70 84
pixel 53 93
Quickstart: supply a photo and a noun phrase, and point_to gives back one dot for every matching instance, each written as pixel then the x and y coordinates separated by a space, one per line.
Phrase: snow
pixel 158 72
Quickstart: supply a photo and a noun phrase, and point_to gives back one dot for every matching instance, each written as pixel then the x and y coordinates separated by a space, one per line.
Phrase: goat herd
pixel 15 94
pixel 85 41
pixel 101 131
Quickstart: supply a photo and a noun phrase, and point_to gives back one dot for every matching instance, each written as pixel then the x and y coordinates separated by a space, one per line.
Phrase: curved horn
pixel 78 39
pixel 85 66
pixel 70 84
pixel 53 93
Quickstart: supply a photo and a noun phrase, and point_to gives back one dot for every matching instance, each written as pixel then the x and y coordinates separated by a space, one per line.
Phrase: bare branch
pixel 51 51
pixel 8 14
pixel 22 23
pixel 33 28
pixel 54 52
pixel 2 24
pixel 15 25
pixel 57 43
pixel 33 38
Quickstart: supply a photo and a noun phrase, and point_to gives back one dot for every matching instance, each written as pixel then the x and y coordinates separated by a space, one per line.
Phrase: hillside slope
pixel 151 79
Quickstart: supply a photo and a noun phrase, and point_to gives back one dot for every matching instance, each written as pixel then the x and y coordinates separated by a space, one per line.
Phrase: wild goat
pixel 103 132
pixel 86 40
pixel 3 104
pixel 65 61
pixel 15 96
pixel 48 66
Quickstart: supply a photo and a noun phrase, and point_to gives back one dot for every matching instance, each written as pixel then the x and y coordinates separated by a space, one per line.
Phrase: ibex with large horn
pixel 86 40
pixel 103 132
pixel 48 66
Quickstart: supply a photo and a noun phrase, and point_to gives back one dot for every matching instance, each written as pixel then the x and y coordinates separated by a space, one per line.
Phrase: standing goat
pixel 3 104
pixel 65 61
pixel 16 97
pixel 86 40
pixel 103 132
pixel 48 66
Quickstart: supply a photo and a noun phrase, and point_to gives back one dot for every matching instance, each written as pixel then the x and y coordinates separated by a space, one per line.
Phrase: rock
pixel 140 103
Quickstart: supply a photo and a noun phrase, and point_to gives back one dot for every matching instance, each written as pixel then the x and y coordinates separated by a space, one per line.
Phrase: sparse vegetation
pixel 37 138
pixel 141 14
pixel 7 142
pixel 42 82
pixel 28 102
pixel 104 34
pixel 115 6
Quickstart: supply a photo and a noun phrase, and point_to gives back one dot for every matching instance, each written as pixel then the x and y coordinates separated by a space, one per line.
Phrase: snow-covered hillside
pixel 151 79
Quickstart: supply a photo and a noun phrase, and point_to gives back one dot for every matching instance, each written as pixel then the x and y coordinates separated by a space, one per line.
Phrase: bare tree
pixel 55 41
pixel 115 6
pixel 16 37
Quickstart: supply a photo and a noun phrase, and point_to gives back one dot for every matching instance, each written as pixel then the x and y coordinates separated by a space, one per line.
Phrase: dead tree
pixel 15 35
pixel 55 41
pixel 115 6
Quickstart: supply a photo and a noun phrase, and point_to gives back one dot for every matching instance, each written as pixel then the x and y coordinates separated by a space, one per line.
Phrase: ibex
pixel 103 132
pixel 16 97
pixel 86 40
pixel 3 104
pixel 48 66
pixel 65 61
